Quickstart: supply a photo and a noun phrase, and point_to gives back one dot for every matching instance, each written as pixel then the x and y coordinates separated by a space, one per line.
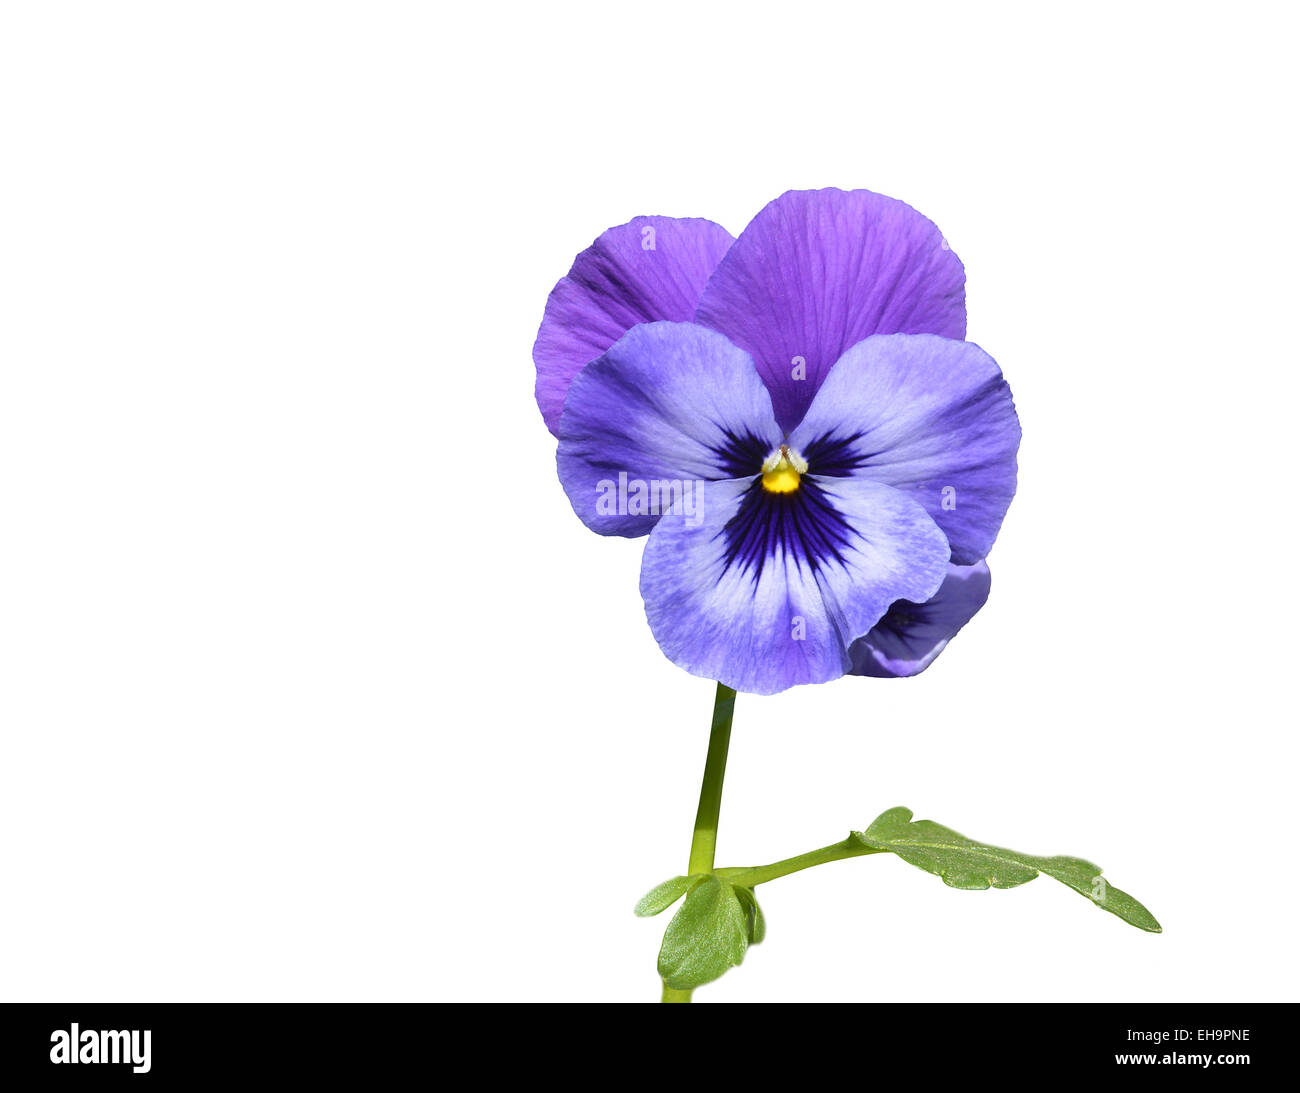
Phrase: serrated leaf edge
pixel 1024 861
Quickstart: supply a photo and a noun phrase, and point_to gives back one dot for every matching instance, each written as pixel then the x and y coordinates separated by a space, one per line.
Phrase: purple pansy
pixel 820 461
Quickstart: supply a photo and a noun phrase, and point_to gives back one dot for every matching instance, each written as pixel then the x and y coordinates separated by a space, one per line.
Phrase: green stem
pixel 704 839
pixel 760 874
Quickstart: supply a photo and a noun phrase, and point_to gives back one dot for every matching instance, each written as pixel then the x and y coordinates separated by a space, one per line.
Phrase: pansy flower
pixel 820 461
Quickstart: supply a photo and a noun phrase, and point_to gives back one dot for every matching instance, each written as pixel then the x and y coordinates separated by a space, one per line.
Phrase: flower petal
pixel 930 416
pixel 763 591
pixel 819 270
pixel 653 267
pixel 911 635
pixel 669 405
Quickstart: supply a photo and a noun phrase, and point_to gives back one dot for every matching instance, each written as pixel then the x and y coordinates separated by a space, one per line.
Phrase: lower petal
pixel 909 637
pixel 764 591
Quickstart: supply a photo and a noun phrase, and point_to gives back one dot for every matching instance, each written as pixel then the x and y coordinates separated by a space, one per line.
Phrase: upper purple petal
pixel 819 270
pixel 927 415
pixel 909 637
pixel 669 405
pixel 653 267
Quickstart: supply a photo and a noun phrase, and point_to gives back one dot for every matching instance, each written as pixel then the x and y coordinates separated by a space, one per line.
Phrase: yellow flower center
pixel 783 469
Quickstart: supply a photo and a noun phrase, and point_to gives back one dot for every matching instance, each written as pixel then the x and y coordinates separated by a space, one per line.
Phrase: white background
pixel 315 688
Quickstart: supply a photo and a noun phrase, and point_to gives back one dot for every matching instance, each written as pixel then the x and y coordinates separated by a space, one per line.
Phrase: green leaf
pixel 964 863
pixel 707 936
pixel 755 923
pixel 663 896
